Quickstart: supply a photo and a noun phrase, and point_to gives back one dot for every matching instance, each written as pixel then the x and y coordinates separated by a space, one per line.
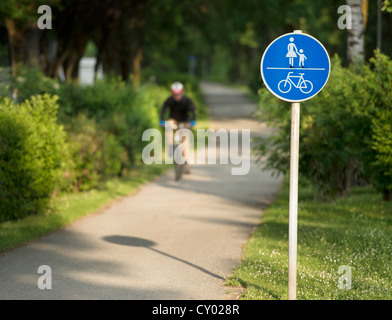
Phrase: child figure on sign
pixel 302 58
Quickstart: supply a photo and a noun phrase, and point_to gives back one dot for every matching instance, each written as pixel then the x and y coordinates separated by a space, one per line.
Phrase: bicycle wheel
pixel 178 171
pixel 178 167
pixel 306 86
pixel 284 86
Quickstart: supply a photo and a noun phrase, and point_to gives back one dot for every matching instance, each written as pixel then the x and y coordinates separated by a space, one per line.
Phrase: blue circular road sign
pixel 295 67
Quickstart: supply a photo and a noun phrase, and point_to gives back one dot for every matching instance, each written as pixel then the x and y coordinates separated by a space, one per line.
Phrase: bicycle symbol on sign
pixel 305 86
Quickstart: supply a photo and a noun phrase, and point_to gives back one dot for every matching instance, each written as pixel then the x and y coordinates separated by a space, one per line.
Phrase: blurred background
pixel 81 80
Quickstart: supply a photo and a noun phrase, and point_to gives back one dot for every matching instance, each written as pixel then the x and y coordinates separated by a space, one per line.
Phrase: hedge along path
pixel 32 148
pixel 168 241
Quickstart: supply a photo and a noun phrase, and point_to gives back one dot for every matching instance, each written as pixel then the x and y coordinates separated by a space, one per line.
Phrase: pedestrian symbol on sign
pixel 293 53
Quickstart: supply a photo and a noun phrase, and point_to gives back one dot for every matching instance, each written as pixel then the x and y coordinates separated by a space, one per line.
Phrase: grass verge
pixel 67 208
pixel 354 231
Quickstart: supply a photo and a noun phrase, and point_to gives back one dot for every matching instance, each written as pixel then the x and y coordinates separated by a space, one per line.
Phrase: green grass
pixel 354 231
pixel 67 208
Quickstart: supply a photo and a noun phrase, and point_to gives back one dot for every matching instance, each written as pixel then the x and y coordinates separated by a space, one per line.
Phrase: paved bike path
pixel 169 240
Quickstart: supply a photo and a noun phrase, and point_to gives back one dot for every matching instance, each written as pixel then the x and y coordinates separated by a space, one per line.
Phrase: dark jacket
pixel 184 110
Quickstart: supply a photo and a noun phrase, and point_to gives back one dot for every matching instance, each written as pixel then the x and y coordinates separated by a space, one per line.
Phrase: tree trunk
pixel 136 65
pixel 17 44
pixel 355 36
pixel 235 72
pixel 33 46
pixel 387 195
pixel 44 44
pixel 71 47
pixel 101 45
pixel 365 12
pixel 125 55
pixel 137 48
pixel 57 62
pixel 25 43
pixel 71 64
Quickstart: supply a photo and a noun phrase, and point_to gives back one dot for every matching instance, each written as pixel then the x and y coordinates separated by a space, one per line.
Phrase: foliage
pixel 32 152
pixel 341 129
pixel 31 81
pixel 104 122
pixel 118 109
pixel 227 37
pixel 379 87
pixel 382 145
pixel 24 10
pixel 101 138
pixel 110 114
pixel 387 5
pixel 95 154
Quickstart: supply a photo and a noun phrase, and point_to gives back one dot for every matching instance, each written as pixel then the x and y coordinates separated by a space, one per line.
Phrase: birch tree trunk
pixel 355 36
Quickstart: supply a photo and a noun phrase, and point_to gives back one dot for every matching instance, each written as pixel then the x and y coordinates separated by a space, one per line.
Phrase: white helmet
pixel 177 88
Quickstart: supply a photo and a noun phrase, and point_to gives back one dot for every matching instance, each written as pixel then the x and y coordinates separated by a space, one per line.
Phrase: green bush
pixel 379 87
pixel 335 130
pixel 117 108
pixel 381 166
pixel 32 156
pixel 31 81
pixel 104 123
pixel 95 154
pixel 99 100
pixel 342 132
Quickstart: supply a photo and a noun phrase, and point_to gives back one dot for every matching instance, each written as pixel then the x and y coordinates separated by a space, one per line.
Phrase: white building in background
pixel 86 71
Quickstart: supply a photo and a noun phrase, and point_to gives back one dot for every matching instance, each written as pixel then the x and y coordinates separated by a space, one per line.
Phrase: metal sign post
pixel 293 201
pixel 295 67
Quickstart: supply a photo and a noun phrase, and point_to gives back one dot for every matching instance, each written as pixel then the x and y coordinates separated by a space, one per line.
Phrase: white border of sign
pixel 262 74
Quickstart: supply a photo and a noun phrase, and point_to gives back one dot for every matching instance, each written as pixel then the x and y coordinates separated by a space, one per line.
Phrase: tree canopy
pixel 135 37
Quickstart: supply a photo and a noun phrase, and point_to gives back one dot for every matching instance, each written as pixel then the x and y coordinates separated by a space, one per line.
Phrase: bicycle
pixel 305 86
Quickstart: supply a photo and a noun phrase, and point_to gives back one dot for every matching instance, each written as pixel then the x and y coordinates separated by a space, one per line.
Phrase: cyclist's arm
pixel 192 110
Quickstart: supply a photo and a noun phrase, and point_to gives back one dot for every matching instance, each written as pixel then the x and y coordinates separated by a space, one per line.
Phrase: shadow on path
pixel 140 242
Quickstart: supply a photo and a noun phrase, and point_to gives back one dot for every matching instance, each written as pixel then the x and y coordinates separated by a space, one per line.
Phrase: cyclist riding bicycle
pixel 181 109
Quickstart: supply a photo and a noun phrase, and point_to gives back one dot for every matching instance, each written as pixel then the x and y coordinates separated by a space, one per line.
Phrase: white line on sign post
pixel 293 201
pixel 293 204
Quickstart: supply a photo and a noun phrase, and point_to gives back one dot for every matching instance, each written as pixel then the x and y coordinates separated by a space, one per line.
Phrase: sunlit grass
pixel 354 231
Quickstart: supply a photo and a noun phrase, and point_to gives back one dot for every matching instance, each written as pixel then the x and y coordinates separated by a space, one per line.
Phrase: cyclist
pixel 181 109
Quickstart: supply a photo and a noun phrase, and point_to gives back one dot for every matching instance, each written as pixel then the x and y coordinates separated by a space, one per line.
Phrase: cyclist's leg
pixel 169 136
pixel 186 144
pixel 186 139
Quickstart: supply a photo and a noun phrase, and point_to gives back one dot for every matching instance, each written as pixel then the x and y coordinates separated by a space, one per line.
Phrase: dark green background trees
pixel 136 37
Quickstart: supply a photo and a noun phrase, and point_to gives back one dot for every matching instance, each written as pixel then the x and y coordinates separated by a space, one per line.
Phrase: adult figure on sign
pixel 291 54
